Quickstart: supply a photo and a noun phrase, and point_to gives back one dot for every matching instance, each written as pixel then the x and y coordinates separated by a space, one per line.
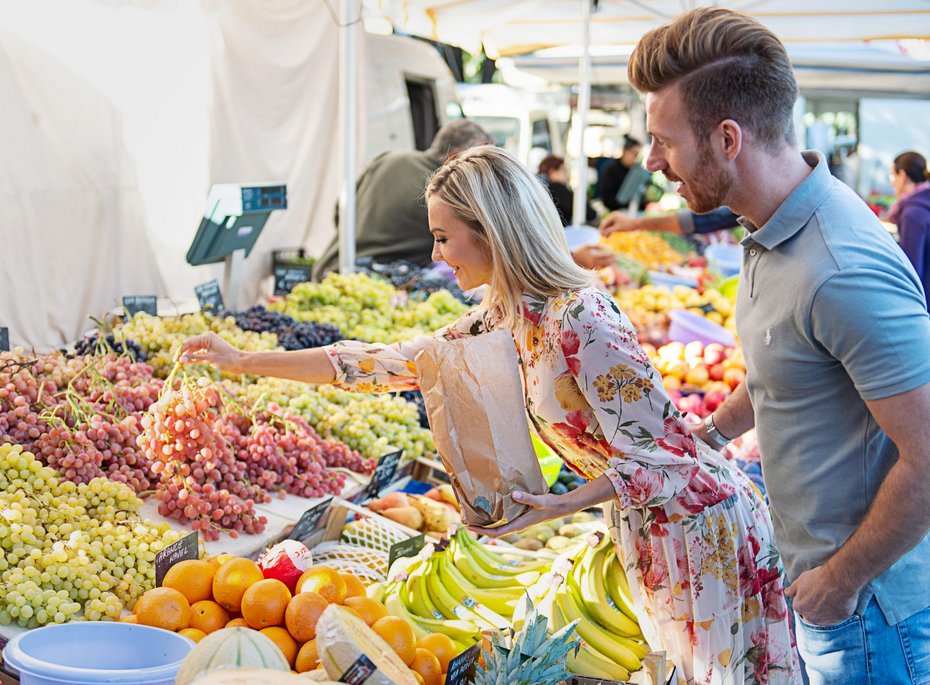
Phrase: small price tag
pixel 461 669
pixel 140 303
pixel 4 339
pixel 359 671
pixel 210 297
pixel 384 473
pixel 405 548
pixel 286 277
pixel 310 521
pixel 187 547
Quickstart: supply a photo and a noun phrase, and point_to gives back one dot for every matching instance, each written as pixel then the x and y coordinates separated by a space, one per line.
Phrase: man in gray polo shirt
pixel 837 344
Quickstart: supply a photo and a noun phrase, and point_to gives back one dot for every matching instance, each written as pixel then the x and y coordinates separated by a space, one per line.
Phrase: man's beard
pixel 711 185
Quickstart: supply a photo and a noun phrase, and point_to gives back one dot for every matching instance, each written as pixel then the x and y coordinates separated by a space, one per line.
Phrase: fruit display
pixel 645 247
pixel 101 345
pixel 244 618
pixel 593 595
pixel 566 481
pixel 70 549
pixel 433 512
pixel 416 280
pixel 530 657
pixel 459 588
pixel 559 535
pixel 370 309
pixel 373 425
pixel 291 334
pixel 161 337
pixel 648 307
pixel 214 465
pixel 711 369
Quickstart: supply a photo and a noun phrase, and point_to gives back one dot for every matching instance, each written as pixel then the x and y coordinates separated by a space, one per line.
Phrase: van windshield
pixel 504 131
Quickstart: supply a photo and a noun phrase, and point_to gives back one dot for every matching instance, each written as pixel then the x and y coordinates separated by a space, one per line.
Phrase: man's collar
pixel 796 210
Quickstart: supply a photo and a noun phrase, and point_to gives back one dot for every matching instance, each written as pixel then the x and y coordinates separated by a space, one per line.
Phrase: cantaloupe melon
pixel 231 648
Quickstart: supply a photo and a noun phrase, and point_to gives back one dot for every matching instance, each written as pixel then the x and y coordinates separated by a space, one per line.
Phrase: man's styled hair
pixel 456 136
pixel 727 66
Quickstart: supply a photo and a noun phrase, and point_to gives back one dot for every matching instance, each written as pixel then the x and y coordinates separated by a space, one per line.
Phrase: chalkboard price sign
pixel 286 277
pixel 187 547
pixel 140 303
pixel 384 473
pixel 4 339
pixel 461 669
pixel 210 297
pixel 309 522
pixel 405 548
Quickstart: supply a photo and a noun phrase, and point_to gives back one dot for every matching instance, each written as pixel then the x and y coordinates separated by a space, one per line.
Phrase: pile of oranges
pixel 198 597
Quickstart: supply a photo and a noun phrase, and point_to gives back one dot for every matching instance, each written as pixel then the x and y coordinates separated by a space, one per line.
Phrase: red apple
pixel 733 377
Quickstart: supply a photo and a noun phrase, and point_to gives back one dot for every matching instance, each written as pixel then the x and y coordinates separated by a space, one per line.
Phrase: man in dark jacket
pixel 391 215
pixel 911 181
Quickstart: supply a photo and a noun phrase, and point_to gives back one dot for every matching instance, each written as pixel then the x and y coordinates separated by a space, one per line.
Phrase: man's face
pixel 701 178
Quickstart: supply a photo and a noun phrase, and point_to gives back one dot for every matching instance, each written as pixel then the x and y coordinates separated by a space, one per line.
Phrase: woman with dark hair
pixel 616 171
pixel 554 175
pixel 911 182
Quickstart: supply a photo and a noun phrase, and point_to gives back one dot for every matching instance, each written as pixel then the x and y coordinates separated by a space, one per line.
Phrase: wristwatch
pixel 716 438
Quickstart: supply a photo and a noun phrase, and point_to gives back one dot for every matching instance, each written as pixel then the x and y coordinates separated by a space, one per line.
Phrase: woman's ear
pixel 731 138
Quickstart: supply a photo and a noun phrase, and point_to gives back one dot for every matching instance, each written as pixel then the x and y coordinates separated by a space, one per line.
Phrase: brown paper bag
pixel 473 394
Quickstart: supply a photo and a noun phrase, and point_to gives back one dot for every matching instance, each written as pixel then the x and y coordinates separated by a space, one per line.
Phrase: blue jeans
pixel 865 650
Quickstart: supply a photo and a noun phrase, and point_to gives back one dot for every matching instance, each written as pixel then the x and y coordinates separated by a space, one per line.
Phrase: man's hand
pixel 618 221
pixel 820 599
pixel 593 257
pixel 542 508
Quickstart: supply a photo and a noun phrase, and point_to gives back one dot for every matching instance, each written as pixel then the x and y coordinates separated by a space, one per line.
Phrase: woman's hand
pixel 542 508
pixel 209 348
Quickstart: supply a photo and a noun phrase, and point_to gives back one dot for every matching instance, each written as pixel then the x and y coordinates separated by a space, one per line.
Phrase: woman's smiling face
pixel 455 243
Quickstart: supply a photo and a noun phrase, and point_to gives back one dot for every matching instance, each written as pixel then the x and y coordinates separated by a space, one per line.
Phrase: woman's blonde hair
pixel 515 222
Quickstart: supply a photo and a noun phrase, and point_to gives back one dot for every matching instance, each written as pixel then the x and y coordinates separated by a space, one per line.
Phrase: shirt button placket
pixel 751 270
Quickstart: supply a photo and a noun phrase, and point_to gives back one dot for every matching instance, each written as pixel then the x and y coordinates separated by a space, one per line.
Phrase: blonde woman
pixel 693 533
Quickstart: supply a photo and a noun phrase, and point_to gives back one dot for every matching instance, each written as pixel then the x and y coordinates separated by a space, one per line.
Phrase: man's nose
pixel 655 161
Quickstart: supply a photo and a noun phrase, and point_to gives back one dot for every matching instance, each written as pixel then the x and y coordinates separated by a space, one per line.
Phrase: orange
pixel 129 618
pixel 325 580
pixel 369 610
pixel 232 579
pixel 163 607
pixel 220 559
pixel 399 635
pixel 283 639
pixel 237 623
pixel 307 658
pixel 208 616
pixel 354 587
pixel 442 646
pixel 303 611
pixel 264 603
pixel 193 634
pixel 192 578
pixel 427 665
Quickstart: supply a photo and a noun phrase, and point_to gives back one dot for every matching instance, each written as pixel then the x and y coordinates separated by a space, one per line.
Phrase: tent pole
pixel 579 208
pixel 348 114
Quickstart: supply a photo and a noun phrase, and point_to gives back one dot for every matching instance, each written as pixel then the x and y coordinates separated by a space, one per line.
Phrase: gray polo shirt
pixel 830 313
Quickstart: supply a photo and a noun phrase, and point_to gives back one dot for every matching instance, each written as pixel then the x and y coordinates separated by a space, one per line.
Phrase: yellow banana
pixel 592 663
pixel 589 582
pixel 480 577
pixel 415 599
pixel 460 631
pixel 501 600
pixel 618 589
pixel 604 641
pixel 493 562
pixel 461 595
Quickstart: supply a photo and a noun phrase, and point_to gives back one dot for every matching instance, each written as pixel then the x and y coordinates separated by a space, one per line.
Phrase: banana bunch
pixel 459 590
pixel 594 592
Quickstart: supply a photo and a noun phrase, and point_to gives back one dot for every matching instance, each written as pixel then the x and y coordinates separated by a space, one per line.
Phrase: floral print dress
pixel 693 533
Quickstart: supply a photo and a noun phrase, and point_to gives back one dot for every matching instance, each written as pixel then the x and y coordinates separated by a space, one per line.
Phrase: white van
pixel 528 125
pixel 409 94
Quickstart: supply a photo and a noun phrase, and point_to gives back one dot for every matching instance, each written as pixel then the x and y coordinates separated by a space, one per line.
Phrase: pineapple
pixel 529 657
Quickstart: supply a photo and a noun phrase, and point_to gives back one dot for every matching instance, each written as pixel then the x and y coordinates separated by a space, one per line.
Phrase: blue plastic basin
pixel 97 652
